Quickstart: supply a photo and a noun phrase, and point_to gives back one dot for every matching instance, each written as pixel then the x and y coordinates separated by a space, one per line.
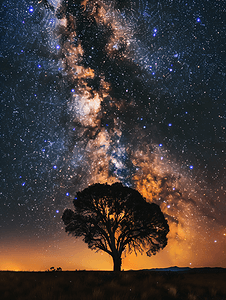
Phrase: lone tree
pixel 113 218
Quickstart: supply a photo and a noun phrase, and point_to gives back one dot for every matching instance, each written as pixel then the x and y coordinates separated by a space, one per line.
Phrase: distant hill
pixel 187 269
pixel 172 269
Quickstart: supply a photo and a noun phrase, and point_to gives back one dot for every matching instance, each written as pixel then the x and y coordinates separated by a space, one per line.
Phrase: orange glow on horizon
pixel 71 254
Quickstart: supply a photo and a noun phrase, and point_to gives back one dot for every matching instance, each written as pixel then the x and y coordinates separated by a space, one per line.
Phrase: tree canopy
pixel 114 218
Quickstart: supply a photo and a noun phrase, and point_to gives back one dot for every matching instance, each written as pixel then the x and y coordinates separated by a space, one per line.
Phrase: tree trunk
pixel 117 263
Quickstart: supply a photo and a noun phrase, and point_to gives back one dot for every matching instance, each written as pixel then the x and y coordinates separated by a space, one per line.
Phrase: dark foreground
pixel 84 285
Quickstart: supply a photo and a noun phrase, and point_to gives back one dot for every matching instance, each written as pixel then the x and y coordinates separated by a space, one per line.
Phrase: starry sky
pixel 112 91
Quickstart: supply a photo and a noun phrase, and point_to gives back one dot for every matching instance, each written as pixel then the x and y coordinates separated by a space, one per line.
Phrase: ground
pixel 67 285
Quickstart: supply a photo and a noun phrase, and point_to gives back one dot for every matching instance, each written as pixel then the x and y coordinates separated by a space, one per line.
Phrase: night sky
pixel 106 91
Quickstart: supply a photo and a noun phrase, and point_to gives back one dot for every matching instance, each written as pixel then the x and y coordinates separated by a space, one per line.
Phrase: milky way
pixel 105 91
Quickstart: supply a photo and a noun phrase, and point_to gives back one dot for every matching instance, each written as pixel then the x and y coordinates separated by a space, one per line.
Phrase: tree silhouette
pixel 114 218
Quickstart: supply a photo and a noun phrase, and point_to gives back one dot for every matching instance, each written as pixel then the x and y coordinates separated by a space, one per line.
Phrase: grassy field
pixel 85 285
